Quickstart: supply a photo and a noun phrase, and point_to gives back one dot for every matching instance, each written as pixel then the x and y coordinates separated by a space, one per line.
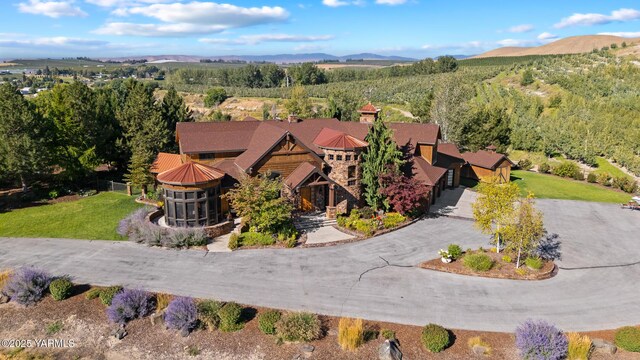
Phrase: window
pixel 351 182
pixel 339 157
pixel 351 172
pixel 330 156
pixel 197 207
pixel 347 157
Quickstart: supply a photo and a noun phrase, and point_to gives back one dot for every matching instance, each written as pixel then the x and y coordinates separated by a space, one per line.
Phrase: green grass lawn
pixel 95 218
pixel 605 166
pixel 552 187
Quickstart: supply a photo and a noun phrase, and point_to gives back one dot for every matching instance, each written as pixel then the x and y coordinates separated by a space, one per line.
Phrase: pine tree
pixel 174 110
pixel 24 146
pixel 139 169
pixel 381 154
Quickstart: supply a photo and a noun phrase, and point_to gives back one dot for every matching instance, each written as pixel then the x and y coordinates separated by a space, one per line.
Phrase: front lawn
pixel 94 218
pixel 606 166
pixel 546 186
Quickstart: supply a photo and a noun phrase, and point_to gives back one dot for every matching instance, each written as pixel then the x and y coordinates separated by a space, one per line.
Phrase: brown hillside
pixel 570 45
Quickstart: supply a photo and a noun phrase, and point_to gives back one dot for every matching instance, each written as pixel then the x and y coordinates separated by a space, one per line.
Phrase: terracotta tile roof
pixel 265 138
pixel 369 108
pixel 333 139
pixel 301 174
pixel 165 161
pixel 427 173
pixel 190 173
pixel 485 159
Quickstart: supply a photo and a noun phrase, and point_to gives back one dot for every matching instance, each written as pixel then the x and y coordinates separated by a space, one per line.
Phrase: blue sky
pixel 415 28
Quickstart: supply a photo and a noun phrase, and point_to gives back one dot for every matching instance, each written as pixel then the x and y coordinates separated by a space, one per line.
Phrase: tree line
pixel 73 128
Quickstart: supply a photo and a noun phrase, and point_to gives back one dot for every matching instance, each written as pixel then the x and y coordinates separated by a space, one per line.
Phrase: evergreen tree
pixel 24 146
pixel 174 110
pixel 381 154
pixel 72 109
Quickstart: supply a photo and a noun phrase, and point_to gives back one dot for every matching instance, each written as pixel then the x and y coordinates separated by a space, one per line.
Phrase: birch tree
pixel 494 207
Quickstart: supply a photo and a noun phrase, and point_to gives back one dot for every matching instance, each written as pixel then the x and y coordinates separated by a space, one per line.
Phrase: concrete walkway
pixel 377 279
pixel 455 203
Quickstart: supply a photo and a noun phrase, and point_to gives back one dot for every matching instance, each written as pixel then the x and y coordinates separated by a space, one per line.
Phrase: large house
pixel 317 159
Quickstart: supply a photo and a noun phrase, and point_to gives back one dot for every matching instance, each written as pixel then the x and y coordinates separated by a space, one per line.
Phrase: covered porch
pixel 309 188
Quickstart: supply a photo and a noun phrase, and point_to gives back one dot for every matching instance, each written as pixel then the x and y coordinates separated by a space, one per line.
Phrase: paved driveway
pixel 376 279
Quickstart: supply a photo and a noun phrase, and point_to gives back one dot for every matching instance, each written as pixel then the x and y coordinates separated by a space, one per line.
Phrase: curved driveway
pixel 376 279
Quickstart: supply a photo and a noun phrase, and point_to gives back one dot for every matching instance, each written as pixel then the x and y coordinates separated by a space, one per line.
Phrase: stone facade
pixel 346 173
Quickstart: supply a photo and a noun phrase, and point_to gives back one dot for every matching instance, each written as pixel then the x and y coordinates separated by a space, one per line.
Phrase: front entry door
pixel 305 199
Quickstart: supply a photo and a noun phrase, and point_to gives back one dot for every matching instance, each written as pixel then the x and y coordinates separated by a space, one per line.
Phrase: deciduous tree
pixel 525 228
pixel 403 194
pixel 494 207
pixel 299 103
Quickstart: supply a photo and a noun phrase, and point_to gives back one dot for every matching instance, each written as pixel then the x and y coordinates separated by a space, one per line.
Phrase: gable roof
pixel 265 138
pixel 333 139
pixel 485 159
pixel 427 173
pixel 199 137
pixel 450 149
pixel 301 174
pixel 164 162
pixel 190 173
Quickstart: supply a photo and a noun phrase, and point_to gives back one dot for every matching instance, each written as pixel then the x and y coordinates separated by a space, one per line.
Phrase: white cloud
pixel 620 15
pixel 55 42
pixel 516 42
pixel 338 3
pixel 126 3
pixel 391 2
pixel 521 28
pixel 627 34
pixel 546 36
pixel 192 18
pixel 261 38
pixel 54 9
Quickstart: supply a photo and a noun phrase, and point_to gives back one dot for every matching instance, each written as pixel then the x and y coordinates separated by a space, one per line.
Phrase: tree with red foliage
pixel 404 194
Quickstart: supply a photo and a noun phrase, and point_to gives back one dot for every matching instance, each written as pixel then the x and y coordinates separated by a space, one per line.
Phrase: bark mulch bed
pixel 500 269
pixel 85 322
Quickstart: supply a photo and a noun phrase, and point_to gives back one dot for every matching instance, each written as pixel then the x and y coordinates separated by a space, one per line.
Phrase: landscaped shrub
pixel 93 293
pixel 628 338
pixel 208 313
pixel 129 304
pixel 534 263
pixel 544 168
pixel 256 239
pixel 288 236
pixel 61 288
pixel 435 338
pixel 27 285
pixel 107 294
pixel 579 347
pixel 126 225
pixel 162 301
pixel 4 278
pixel 506 258
pixel 341 220
pixel 367 227
pixel 392 219
pixel 603 178
pixel 478 262
pixel 477 341
pixel 539 340
pixel 525 164
pixel 567 169
pixel 388 334
pixel 366 212
pixel 181 314
pixel 234 241
pixel 185 237
pixel 592 178
pixel 350 333
pixel 624 183
pixel 267 321
pixel 299 327
pixel 229 316
pixel 455 251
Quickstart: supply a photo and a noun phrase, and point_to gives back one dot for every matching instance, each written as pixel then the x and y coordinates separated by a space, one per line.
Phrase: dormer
pixel 429 152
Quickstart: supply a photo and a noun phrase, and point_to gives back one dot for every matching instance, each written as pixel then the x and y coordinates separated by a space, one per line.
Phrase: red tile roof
pixel 427 173
pixel 165 161
pixel 190 173
pixel 301 174
pixel 333 139
pixel 485 159
pixel 368 109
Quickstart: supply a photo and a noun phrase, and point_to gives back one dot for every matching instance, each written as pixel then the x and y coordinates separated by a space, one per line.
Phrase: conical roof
pixel 333 139
pixel 190 173
pixel 369 108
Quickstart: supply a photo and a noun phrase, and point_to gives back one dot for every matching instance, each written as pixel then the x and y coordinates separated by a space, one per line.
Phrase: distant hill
pixel 279 58
pixel 569 45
